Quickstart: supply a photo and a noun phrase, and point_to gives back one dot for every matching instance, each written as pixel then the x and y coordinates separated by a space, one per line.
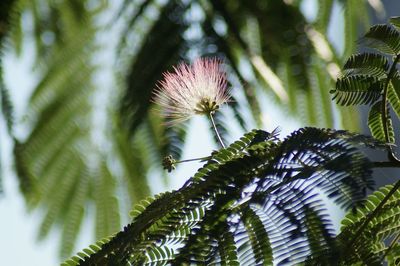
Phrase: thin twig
pixel 216 130
pixel 194 159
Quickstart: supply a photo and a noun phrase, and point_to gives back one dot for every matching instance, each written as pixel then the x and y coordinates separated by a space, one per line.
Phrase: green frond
pixel 7 15
pixel 273 216
pixel 63 170
pixel 107 206
pixel 258 236
pixel 356 88
pixel 143 76
pixel 376 123
pixel 228 254
pixel 311 147
pixel 58 205
pixel 322 83
pixel 138 208
pixel 395 21
pixel 158 256
pixel 75 210
pixel 393 257
pixel 384 38
pixel 85 253
pixel 324 15
pixel 201 244
pixel 321 240
pixel 351 22
pixel 129 154
pixel 394 93
pixel 27 182
pixel 7 108
pixel 366 64
pixel 7 112
pixel 382 227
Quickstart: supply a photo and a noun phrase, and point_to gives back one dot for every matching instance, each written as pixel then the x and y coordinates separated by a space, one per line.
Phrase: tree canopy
pixel 95 136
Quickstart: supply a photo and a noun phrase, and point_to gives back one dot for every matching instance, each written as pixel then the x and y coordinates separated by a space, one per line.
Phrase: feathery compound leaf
pixel 376 123
pixel 394 93
pixel 366 64
pixel 395 21
pixel 352 90
pixel 324 15
pixel 158 255
pixel 107 211
pixel 251 202
pixel 143 76
pixel 7 107
pixel 383 38
pixel 85 253
pixel 227 249
pixel 393 257
pixel 362 79
pixel 258 237
pixel 370 245
pixel 328 156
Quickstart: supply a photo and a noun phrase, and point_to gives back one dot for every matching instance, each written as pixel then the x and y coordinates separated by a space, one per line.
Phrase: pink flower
pixel 199 88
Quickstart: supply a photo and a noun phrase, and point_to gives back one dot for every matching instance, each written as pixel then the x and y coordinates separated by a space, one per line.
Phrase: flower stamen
pixel 190 90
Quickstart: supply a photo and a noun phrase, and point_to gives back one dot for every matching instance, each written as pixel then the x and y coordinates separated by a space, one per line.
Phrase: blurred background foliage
pixel 93 135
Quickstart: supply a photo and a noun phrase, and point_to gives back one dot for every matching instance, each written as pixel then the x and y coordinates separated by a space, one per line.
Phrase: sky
pixel 18 228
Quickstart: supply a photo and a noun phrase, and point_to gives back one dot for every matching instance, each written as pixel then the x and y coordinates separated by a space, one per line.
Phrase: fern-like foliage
pixel 6 105
pixel 62 146
pixel 254 35
pixel 370 235
pixel 254 203
pixel 373 78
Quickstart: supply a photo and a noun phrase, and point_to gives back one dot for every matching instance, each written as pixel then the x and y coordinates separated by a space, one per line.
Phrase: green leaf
pixel 383 38
pixel 227 248
pixel 394 93
pixel 85 253
pixel 362 79
pixel 142 76
pixel 7 107
pixel 257 222
pixel 370 245
pixel 107 207
pixel 393 257
pixel 395 21
pixel 324 15
pixel 351 22
pixel 353 90
pixel 258 237
pixel 376 124
pixel 368 64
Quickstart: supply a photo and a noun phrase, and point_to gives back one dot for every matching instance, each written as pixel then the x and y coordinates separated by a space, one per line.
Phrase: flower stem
pixel 216 130
pixel 194 159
